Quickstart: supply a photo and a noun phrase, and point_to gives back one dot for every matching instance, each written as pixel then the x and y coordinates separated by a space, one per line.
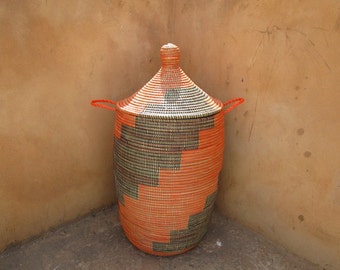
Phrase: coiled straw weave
pixel 168 154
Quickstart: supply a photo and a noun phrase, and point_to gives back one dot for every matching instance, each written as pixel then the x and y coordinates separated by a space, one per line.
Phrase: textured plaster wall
pixel 282 164
pixel 281 174
pixel 55 149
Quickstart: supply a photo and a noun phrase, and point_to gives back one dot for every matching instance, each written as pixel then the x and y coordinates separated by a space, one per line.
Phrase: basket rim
pixel 120 108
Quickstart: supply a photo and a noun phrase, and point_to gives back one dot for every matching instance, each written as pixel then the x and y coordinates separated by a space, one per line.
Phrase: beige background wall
pixel 282 168
pixel 56 56
pixel 282 164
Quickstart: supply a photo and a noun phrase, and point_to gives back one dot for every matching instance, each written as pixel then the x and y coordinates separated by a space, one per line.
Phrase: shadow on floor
pixel 97 242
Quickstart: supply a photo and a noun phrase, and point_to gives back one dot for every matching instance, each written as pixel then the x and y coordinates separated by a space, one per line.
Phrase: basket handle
pixel 97 103
pixel 235 102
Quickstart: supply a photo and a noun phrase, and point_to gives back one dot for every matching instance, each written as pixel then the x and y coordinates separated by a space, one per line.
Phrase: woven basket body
pixel 168 154
pixel 166 173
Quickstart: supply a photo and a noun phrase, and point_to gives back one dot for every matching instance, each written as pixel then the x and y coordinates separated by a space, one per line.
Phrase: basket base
pixel 159 253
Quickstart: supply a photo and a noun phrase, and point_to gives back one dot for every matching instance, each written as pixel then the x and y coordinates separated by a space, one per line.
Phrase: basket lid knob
pixel 170 55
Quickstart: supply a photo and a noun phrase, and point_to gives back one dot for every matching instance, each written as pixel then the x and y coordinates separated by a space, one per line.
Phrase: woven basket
pixel 168 154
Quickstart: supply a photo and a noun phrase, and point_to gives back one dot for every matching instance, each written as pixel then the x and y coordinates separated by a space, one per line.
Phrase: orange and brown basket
pixel 168 154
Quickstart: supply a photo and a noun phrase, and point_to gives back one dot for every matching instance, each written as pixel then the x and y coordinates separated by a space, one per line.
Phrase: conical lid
pixel 170 93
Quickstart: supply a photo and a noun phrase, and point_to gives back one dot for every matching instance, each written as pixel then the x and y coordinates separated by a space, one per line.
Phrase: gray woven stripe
pixel 154 144
pixel 197 228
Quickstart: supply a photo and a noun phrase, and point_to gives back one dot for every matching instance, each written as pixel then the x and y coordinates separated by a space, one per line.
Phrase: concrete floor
pixel 97 242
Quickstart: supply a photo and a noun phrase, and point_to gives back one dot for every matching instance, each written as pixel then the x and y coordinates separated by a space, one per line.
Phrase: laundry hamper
pixel 168 154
